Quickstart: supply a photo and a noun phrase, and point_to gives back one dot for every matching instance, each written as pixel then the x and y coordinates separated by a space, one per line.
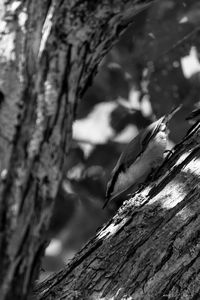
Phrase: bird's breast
pixel 142 166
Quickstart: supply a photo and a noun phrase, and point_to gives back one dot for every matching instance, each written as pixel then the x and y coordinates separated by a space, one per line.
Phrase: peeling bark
pixel 49 53
pixel 151 248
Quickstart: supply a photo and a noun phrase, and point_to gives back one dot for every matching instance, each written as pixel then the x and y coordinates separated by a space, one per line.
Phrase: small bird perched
pixel 144 153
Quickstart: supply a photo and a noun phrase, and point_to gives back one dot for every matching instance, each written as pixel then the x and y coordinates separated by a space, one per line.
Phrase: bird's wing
pixel 134 149
pixel 120 196
pixel 126 159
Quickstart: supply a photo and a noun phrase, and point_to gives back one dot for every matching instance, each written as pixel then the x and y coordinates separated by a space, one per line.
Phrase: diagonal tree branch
pixel 150 249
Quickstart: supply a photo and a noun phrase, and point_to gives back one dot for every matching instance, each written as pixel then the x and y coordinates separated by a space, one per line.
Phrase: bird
pixel 144 153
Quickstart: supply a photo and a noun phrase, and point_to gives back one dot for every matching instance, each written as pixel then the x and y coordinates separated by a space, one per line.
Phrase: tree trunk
pixel 151 248
pixel 49 53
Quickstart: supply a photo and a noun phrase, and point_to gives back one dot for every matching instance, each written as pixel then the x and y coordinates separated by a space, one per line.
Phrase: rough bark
pixel 151 248
pixel 49 53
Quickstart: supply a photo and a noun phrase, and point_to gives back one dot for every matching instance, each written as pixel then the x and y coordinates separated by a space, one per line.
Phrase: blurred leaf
pixel 123 116
pixel 64 210
pixel 192 15
pixel 111 83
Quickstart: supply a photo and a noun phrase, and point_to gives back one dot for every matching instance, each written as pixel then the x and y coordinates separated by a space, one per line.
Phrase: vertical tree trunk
pixel 49 53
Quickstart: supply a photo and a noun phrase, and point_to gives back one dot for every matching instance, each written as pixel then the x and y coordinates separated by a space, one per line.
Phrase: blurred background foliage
pixel 152 68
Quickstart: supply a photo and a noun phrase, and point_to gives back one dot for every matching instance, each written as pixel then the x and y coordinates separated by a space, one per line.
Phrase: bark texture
pixel 151 248
pixel 49 53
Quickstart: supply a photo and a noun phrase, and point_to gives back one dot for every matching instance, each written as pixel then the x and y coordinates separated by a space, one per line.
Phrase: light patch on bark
pixel 51 96
pixel 193 166
pixel 37 137
pixel 8 15
pixel 4 174
pixel 111 230
pixel 174 196
pixel 13 6
pixel 22 18
pixel 7 50
pixel 46 29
